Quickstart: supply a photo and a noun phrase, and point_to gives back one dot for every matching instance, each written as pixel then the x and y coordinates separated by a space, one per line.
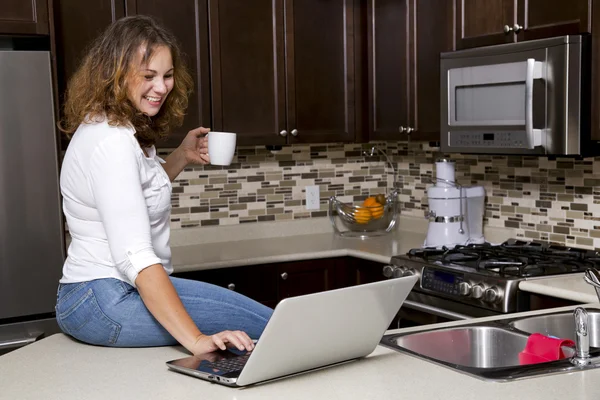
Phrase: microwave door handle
pixel 534 71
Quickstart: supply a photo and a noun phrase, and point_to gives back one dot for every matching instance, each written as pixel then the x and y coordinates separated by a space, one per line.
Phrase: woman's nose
pixel 160 87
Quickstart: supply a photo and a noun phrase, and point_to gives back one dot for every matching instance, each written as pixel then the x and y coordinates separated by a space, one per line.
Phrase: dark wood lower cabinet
pixel 257 282
pixel 271 283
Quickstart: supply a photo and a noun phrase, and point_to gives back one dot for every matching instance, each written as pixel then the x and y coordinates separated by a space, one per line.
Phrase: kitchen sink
pixel 560 325
pixel 490 351
pixel 472 346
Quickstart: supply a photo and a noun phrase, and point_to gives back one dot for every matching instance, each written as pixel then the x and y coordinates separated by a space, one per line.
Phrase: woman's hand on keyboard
pixel 222 340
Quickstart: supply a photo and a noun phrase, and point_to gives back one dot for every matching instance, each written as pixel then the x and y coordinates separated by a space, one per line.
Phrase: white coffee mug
pixel 221 147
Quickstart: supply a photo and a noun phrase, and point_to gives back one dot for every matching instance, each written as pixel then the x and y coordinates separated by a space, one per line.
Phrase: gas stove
pixel 487 276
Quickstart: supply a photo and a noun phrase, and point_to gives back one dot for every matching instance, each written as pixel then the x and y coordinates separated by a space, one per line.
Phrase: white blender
pixel 455 212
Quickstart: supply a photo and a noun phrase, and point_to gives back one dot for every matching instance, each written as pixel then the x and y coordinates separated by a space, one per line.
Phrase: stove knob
pixel 388 271
pixel 409 272
pixel 477 291
pixel 491 295
pixel 399 272
pixel 464 289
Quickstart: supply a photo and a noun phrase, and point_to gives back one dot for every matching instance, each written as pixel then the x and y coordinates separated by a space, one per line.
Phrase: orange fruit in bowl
pixel 375 208
pixel 362 215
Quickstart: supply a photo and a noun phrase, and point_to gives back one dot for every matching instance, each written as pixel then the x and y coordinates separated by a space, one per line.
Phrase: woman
pixel 129 92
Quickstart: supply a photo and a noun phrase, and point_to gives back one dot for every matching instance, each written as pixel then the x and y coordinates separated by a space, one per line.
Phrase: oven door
pixel 424 309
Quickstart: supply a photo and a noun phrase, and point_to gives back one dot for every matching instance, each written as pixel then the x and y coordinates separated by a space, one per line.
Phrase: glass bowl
pixel 373 218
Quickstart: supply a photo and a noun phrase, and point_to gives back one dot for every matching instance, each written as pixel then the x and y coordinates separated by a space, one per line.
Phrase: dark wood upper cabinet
pixel 405 39
pixel 247 69
pixel 77 24
pixel 482 22
pixel 20 17
pixel 188 21
pixel 433 33
pixel 547 18
pixel 488 22
pixel 282 71
pixel 320 65
pixel 389 52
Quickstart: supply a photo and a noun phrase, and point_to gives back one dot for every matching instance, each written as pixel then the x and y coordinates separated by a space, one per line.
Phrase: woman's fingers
pixel 238 339
pixel 220 343
pixel 199 131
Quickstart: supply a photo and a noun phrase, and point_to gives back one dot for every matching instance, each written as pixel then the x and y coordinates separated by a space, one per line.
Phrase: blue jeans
pixel 109 312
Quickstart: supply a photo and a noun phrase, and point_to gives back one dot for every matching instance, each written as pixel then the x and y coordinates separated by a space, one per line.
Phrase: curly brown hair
pixel 98 89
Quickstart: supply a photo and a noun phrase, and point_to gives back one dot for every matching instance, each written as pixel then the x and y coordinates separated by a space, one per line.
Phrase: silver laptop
pixel 306 333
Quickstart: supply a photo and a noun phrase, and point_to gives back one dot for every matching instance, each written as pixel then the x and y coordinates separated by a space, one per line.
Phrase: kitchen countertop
pixel 58 367
pixel 269 242
pixel 569 287
pixel 252 244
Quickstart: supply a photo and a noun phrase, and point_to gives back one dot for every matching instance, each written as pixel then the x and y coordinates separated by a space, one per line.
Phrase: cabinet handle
pixel 294 132
pixel 516 28
pixel 402 129
pixel 284 276
pixel 231 286
pixel 409 130
pixel 283 133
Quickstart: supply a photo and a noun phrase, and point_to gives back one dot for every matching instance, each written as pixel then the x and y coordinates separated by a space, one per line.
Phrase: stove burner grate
pixel 514 258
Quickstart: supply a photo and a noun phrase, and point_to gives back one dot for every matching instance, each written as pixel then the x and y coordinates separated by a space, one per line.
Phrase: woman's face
pixel 152 82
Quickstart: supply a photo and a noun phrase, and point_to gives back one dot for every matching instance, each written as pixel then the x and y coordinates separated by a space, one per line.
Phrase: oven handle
pixel 440 312
pixel 534 71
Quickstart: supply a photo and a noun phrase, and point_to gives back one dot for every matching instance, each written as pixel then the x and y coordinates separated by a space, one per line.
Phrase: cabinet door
pixel 358 271
pixel 320 69
pixel 188 20
pixel 433 34
pixel 405 39
pixel 388 70
pixel 246 62
pixel 77 24
pixel 20 17
pixel 258 282
pixel 547 18
pixel 305 277
pixel 481 22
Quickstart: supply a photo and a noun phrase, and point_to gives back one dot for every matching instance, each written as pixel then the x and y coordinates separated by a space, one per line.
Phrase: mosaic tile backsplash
pixel 544 199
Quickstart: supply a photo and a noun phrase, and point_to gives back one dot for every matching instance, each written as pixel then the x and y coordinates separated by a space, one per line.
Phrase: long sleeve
pixel 115 183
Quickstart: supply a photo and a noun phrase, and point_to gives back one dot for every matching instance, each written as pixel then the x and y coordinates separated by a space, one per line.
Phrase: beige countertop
pixel 570 287
pixel 251 244
pixel 60 368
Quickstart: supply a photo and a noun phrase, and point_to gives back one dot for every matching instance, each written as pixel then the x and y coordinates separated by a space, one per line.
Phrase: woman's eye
pixel 168 76
pixel 149 77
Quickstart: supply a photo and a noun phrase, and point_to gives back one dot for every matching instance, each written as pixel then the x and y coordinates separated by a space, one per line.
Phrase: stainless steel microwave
pixel 521 98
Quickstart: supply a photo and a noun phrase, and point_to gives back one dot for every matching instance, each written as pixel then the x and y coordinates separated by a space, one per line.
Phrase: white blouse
pixel 117 204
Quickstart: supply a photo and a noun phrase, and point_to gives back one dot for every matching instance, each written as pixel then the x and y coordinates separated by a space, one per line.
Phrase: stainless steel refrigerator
pixel 31 222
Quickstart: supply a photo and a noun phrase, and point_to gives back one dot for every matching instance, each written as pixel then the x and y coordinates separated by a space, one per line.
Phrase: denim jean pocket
pixel 85 320
pixel 65 291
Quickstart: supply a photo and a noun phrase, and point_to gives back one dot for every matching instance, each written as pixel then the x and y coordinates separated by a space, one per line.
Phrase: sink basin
pixel 490 351
pixel 560 325
pixel 474 346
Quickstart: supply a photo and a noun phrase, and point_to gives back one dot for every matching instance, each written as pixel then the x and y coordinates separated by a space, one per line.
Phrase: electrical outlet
pixel 312 198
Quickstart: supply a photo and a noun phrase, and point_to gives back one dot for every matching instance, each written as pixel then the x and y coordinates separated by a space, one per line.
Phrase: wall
pixel 545 199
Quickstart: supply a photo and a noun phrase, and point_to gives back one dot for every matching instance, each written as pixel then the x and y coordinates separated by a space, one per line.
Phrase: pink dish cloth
pixel 541 348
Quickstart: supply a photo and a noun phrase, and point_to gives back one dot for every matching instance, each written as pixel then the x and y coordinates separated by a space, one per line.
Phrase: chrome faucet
pixel 592 277
pixel 373 151
pixel 582 338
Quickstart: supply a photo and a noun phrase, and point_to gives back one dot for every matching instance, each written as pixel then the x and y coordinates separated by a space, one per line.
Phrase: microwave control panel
pixel 514 139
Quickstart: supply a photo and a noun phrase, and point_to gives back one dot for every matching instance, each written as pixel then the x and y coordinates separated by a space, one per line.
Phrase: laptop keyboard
pixel 230 364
